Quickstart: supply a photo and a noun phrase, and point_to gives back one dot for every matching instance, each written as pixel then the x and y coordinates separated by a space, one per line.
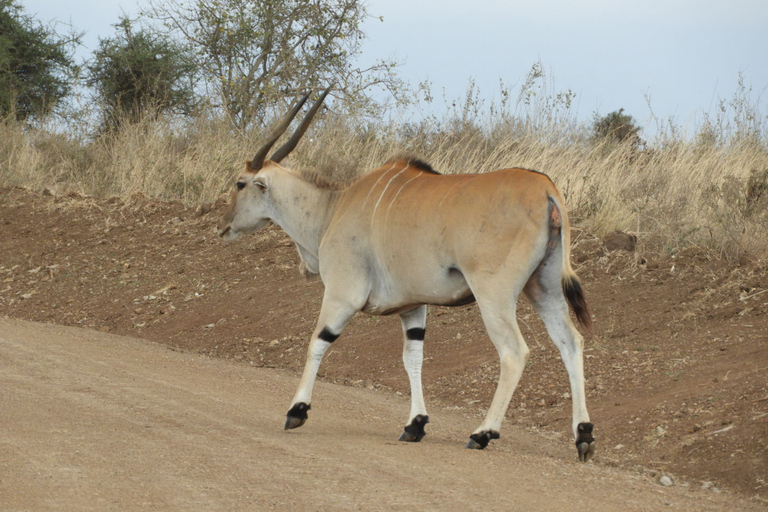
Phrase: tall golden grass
pixel 708 190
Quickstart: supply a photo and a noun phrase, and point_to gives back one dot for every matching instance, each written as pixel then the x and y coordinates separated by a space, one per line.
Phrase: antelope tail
pixel 574 293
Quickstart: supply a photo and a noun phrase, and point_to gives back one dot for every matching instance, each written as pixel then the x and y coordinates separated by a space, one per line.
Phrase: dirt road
pixel 94 421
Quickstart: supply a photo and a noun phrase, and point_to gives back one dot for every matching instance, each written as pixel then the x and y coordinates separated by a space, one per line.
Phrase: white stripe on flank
pixel 398 193
pixel 375 184
pixel 373 216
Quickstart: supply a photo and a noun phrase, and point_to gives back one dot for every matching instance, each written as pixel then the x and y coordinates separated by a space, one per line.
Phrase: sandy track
pixel 93 421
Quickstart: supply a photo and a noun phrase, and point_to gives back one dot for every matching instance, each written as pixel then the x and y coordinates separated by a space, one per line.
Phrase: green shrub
pixel 616 128
pixel 36 65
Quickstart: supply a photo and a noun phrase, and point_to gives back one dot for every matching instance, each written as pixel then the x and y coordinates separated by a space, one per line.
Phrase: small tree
pixel 616 127
pixel 138 73
pixel 36 65
pixel 259 53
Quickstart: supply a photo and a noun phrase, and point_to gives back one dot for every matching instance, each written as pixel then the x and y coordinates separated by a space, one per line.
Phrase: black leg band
pixel 327 335
pixel 415 333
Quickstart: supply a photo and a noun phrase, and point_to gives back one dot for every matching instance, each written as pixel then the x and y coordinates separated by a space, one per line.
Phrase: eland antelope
pixel 403 237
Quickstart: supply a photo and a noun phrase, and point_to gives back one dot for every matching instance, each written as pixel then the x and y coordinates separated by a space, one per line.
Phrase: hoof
pixel 414 432
pixel 585 443
pixel 297 416
pixel 480 440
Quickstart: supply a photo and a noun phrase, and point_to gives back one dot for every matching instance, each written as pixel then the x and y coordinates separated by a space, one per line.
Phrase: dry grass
pixel 192 164
pixel 674 193
pixel 671 196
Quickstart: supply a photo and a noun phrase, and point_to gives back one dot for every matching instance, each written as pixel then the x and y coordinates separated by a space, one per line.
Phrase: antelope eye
pixel 240 185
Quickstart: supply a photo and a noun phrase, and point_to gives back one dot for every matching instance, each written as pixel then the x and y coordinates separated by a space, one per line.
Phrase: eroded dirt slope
pixel 677 365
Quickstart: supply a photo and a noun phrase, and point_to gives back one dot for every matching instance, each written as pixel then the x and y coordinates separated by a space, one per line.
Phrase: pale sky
pixel 685 54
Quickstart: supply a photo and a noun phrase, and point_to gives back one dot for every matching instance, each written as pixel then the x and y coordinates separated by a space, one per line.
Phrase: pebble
pixel 666 481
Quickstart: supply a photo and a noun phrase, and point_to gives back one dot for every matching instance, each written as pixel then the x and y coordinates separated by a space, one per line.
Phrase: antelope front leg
pixel 414 322
pixel 333 318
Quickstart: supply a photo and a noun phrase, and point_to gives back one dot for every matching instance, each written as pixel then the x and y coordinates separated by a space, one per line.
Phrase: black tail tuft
pixel 574 293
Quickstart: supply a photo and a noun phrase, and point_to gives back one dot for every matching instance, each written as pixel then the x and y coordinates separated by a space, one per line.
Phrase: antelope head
pixel 249 207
